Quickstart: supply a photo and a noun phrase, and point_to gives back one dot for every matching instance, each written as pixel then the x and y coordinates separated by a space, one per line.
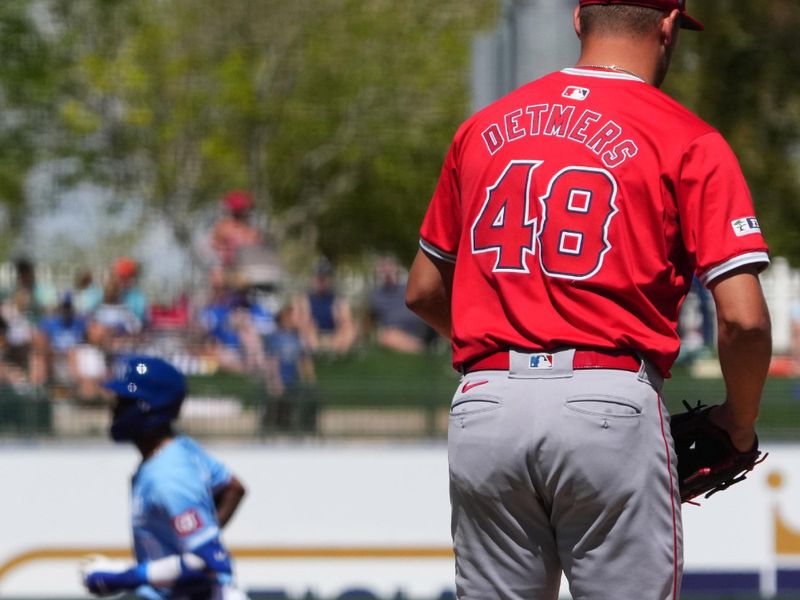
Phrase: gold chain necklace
pixel 610 68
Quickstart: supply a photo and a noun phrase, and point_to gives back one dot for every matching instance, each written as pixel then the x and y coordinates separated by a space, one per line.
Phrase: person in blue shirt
pixel 235 326
pixel 72 361
pixel 64 329
pixel 291 403
pixel 125 273
pixel 181 496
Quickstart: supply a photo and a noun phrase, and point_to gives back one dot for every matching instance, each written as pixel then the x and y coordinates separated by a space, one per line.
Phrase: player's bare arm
pixel 227 500
pixel 745 348
pixel 428 292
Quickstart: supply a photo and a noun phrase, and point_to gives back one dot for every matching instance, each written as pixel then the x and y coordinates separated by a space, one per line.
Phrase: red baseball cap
pixel 125 267
pixel 687 22
pixel 238 201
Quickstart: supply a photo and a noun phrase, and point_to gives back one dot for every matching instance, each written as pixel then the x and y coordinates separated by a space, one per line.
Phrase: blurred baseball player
pixel 568 221
pixel 181 496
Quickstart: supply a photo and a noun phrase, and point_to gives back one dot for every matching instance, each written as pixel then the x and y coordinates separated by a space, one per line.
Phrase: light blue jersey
pixel 172 505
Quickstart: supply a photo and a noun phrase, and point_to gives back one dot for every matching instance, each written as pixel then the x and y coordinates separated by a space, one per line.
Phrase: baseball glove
pixel 708 462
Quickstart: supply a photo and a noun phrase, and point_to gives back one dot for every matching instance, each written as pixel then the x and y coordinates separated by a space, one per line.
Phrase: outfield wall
pixel 333 518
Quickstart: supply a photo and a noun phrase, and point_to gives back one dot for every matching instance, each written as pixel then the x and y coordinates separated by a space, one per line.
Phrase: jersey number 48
pixel 567 226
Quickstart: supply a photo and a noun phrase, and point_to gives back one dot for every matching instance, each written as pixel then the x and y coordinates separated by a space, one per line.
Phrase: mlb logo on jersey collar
pixel 574 92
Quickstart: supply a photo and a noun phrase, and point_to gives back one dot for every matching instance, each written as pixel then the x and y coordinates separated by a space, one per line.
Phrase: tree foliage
pixel 335 113
pixel 740 74
pixel 29 75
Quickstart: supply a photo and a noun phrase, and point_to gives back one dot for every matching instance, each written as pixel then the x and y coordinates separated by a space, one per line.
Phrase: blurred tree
pixel 381 95
pixel 335 113
pixel 741 75
pixel 28 81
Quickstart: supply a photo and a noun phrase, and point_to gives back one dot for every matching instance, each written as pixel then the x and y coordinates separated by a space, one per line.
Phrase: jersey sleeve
pixel 190 511
pixel 184 492
pixel 720 229
pixel 216 472
pixel 441 228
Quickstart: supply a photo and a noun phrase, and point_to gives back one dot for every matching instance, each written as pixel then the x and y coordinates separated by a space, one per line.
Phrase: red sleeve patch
pixel 187 522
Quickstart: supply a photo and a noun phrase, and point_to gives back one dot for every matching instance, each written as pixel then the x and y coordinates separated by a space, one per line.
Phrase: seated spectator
pixel 40 297
pixel 16 410
pixel 10 373
pixel 74 351
pixel 290 402
pixel 172 316
pixel 120 325
pixel 795 336
pixel 88 364
pixel 63 331
pixel 19 336
pixel 88 295
pixel 125 273
pixel 396 327
pixel 29 301
pixel 234 326
pixel 324 318
pixel 233 230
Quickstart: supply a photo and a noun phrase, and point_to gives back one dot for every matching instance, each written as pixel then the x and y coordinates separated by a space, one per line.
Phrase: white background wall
pixel 331 496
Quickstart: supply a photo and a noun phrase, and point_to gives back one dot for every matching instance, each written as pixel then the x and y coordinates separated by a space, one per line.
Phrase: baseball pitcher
pixel 563 235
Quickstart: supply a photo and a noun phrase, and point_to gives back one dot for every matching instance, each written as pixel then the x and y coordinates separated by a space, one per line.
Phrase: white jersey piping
pixel 601 74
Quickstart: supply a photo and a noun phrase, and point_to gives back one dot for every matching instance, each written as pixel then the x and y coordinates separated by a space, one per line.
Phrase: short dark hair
pixel 24 265
pixel 619 19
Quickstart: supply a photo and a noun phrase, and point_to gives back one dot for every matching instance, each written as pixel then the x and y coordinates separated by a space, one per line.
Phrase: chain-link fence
pixel 371 393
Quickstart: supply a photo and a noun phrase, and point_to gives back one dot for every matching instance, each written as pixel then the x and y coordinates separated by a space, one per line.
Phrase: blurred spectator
pixel 10 373
pixel 213 319
pixel 38 297
pixel 120 325
pixel 63 331
pixel 235 326
pixel 796 335
pixel 290 375
pixel 233 230
pixel 29 301
pixel 88 295
pixel 74 355
pixel 125 272
pixel 240 247
pixel 696 325
pixel 4 367
pixel 64 328
pixel 87 364
pixel 324 318
pixel 705 306
pixel 19 408
pixel 396 327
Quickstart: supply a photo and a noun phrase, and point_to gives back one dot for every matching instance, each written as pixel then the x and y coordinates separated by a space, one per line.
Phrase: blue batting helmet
pixel 156 390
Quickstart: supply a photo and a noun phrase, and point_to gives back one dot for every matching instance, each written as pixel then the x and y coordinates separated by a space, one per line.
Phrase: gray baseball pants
pixel 563 470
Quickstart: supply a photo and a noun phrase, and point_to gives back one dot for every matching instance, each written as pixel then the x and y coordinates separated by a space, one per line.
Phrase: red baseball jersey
pixel 577 209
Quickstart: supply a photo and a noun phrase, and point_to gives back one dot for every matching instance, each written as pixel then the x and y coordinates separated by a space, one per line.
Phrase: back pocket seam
pixel 606 399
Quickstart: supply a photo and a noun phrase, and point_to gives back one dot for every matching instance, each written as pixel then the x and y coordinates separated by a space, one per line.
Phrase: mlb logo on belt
pixel 540 362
